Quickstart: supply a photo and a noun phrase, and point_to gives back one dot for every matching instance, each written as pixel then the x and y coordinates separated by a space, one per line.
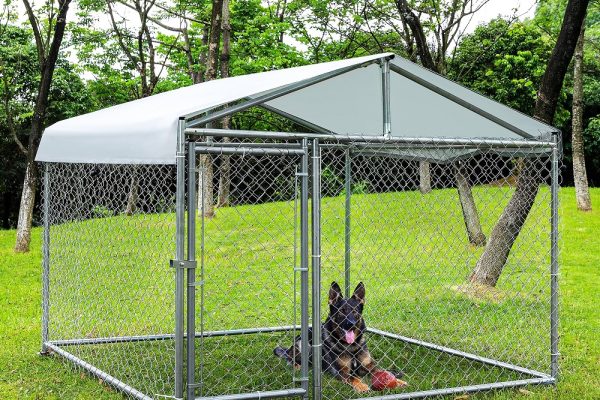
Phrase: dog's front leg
pixel 343 371
pixel 358 384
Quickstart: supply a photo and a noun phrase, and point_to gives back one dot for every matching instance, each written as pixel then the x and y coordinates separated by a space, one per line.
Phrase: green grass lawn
pixel 413 259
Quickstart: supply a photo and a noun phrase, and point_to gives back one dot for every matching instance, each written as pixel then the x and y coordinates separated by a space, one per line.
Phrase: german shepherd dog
pixel 345 353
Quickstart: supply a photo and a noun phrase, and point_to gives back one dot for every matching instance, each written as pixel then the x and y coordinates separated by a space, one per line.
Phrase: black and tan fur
pixel 348 362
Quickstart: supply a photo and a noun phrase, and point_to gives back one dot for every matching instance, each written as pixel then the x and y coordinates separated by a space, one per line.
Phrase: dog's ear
pixel 335 293
pixel 359 293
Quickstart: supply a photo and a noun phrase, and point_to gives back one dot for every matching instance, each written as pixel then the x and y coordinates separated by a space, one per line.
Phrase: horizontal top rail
pixel 279 145
pixel 507 143
pixel 272 151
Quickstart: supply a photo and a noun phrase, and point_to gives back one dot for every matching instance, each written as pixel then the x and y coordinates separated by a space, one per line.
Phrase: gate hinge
pixel 184 264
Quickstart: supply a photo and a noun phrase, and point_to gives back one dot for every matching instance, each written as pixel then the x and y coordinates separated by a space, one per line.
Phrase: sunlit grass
pixel 409 249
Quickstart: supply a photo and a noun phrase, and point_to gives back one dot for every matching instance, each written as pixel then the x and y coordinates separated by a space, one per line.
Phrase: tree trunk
pixel 410 19
pixel 225 169
pixel 471 217
pixel 203 56
pixel 133 195
pixel 224 177
pixel 47 63
pixel 489 267
pixel 469 210
pixel 206 201
pixel 26 209
pixel 582 191
pixel 214 40
pixel 424 177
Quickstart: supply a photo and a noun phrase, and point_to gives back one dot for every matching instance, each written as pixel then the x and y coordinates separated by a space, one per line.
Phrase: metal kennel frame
pixel 188 265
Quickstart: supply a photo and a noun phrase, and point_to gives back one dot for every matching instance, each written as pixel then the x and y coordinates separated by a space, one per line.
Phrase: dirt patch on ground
pixel 480 293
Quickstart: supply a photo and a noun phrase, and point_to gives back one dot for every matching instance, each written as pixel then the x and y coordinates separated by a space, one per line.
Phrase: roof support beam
pixel 195 119
pixel 460 101
pixel 385 92
pixel 297 120
pixel 358 139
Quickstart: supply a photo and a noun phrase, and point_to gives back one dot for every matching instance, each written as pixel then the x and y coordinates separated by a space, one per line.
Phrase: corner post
pixel 554 353
pixel 179 256
pixel 46 261
pixel 316 268
pixel 304 318
pixel 191 273
pixel 385 93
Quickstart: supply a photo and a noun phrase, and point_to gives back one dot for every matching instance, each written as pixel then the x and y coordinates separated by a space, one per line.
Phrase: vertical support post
pixel 316 268
pixel 201 189
pixel 385 91
pixel 179 256
pixel 191 274
pixel 554 353
pixel 46 261
pixel 348 188
pixel 304 350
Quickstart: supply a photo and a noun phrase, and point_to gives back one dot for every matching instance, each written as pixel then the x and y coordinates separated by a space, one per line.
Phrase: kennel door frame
pixel 190 264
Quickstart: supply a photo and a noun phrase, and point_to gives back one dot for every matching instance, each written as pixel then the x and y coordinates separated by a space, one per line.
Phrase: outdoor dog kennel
pixel 393 176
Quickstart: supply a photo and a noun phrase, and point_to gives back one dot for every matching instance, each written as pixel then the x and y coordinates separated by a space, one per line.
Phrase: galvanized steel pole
pixel 46 261
pixel 304 350
pixel 554 353
pixel 385 91
pixel 348 188
pixel 191 273
pixel 179 256
pixel 316 268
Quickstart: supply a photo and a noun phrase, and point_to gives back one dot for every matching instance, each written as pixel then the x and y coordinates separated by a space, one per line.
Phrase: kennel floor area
pixel 246 363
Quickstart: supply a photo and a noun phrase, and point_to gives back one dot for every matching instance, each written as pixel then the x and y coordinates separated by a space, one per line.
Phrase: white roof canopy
pixel 342 97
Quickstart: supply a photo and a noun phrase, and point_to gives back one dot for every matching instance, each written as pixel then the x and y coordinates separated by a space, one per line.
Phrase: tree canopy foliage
pixel 118 50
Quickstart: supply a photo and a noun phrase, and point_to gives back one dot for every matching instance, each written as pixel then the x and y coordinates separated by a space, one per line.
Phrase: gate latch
pixel 184 264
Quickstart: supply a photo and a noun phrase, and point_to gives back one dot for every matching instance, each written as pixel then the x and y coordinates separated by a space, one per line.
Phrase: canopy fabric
pixel 144 131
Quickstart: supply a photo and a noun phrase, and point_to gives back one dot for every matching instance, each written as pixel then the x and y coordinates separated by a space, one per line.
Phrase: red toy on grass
pixel 386 380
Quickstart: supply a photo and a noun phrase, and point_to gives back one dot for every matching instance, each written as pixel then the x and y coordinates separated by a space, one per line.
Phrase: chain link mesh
pixel 250 253
pixel 411 248
pixel 111 237
pixel 412 251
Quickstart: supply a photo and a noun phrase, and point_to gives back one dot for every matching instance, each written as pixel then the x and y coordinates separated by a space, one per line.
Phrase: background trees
pixel 507 229
pixel 120 50
pixel 48 28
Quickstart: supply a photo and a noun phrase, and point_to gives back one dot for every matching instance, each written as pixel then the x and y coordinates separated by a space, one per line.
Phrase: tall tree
pixel 48 39
pixel 491 263
pixel 446 20
pixel 140 51
pixel 206 202
pixel 582 190
pixel 225 168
